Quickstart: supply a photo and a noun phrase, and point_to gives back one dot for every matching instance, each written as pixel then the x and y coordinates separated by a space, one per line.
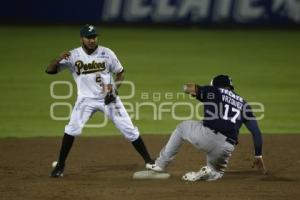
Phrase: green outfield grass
pixel 264 65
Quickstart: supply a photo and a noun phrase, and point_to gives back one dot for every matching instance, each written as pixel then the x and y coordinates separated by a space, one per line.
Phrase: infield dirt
pixel 102 168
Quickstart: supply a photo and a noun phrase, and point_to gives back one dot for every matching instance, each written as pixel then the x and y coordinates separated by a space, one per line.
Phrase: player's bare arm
pixel 52 68
pixel 111 90
pixel 119 78
pixel 254 129
pixel 190 88
pixel 118 82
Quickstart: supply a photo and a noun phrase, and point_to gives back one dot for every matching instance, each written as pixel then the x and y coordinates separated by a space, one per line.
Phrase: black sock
pixel 141 148
pixel 66 145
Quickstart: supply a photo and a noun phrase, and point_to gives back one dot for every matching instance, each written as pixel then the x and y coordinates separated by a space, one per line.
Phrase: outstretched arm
pixel 191 88
pixel 257 141
pixel 52 68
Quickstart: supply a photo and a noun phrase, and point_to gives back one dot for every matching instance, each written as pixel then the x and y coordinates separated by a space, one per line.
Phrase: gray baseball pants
pixel 218 150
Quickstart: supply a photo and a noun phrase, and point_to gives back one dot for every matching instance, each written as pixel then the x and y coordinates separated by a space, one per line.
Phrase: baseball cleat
pixel 202 174
pixel 58 171
pixel 154 167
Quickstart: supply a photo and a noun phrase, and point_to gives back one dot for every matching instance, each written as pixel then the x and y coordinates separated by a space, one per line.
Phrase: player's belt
pixel 229 140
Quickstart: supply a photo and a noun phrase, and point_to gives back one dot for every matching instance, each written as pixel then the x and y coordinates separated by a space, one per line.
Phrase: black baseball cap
pixel 222 81
pixel 88 30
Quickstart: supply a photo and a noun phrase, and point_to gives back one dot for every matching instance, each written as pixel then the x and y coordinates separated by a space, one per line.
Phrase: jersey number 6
pixel 98 79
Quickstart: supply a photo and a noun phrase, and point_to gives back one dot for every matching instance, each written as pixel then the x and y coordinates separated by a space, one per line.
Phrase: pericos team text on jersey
pixel 87 68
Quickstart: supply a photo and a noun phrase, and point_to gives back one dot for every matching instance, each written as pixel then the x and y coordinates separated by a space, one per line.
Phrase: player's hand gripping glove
pixel 111 94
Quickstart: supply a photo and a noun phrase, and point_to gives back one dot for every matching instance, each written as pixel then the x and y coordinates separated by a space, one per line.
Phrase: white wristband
pixel 258 156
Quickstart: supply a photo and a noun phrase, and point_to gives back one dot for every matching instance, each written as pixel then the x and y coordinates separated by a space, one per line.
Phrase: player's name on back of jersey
pixel 231 98
pixel 86 68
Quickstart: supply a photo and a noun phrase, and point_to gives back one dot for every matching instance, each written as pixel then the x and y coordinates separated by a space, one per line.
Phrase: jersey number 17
pixel 233 110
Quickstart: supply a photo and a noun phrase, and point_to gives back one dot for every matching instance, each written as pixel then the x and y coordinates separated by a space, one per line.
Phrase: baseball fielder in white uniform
pixel 92 67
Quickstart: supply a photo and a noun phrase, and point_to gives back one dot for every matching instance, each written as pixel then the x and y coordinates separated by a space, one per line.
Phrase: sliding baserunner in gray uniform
pixel 224 113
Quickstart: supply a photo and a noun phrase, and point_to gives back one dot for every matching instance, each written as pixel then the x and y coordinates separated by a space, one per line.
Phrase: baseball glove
pixel 109 98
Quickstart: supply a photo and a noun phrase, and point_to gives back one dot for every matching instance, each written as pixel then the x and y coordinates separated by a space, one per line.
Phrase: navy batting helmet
pixel 222 81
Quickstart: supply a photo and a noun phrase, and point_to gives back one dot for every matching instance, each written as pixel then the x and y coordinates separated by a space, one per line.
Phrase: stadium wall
pixel 195 12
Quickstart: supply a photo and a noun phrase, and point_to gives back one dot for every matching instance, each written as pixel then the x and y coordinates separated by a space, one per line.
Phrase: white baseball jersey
pixel 90 72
